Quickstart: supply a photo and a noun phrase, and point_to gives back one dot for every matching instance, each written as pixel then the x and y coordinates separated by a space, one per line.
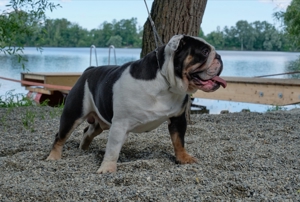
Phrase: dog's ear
pixel 181 44
pixel 175 43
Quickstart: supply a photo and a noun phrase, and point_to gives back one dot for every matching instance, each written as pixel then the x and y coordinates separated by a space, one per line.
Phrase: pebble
pixel 241 157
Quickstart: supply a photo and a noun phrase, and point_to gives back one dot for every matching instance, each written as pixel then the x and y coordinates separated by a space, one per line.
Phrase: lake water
pixel 236 63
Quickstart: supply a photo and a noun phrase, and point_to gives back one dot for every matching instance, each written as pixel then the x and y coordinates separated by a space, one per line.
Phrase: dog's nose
pixel 218 56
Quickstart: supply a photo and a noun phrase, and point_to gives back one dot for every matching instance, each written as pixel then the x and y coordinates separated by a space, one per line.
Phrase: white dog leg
pixel 116 139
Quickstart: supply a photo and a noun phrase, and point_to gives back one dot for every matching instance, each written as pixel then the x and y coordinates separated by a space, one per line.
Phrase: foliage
pixel 123 33
pixel 115 40
pixel 28 119
pixel 294 66
pixel 276 108
pixel 21 19
pixel 25 25
pixel 250 36
pixel 59 33
pixel 291 21
pixel 10 100
pixel 63 33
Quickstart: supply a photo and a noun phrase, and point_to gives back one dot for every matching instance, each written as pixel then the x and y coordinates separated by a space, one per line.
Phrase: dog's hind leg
pixel 95 128
pixel 90 132
pixel 177 129
pixel 67 126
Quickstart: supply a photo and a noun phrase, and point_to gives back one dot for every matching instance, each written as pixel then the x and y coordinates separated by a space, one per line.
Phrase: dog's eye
pixel 205 51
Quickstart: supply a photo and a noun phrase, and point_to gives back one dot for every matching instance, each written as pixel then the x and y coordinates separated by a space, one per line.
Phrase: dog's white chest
pixel 152 113
pixel 148 126
pixel 145 104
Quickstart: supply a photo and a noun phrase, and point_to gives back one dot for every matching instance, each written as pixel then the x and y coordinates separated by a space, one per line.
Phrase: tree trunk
pixel 172 17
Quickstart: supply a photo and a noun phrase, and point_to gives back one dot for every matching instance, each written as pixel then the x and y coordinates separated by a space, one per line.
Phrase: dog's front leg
pixel 177 128
pixel 116 138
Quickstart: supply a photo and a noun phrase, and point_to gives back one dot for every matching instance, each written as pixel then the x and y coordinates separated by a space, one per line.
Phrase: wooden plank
pixel 64 91
pixel 67 80
pixel 55 78
pixel 239 89
pixel 53 73
pixel 39 90
pixel 257 90
pixel 32 77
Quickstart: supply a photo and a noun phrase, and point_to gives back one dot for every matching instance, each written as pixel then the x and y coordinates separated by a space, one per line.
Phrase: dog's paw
pixel 84 145
pixel 185 158
pixel 107 167
pixel 53 156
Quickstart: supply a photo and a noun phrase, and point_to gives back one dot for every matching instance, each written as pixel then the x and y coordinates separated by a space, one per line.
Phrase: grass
pixel 275 108
pixel 28 120
pixel 11 101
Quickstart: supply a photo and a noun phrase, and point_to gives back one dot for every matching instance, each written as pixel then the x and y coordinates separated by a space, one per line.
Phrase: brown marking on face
pixel 202 76
pixel 187 60
pixel 191 87
pixel 182 156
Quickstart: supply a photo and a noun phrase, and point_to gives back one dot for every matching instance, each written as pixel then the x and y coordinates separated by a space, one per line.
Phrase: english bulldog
pixel 139 96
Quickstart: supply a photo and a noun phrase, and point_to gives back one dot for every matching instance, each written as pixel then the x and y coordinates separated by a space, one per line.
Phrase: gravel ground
pixel 242 156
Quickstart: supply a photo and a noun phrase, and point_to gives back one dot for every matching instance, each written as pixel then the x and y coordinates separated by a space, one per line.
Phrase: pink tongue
pixel 220 80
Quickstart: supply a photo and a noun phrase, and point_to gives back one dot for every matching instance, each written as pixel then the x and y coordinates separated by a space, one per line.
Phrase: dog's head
pixel 193 61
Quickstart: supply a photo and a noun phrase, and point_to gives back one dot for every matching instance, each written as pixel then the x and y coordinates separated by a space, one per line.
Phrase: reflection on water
pixel 293 66
pixel 56 60
pixel 250 64
pixel 236 63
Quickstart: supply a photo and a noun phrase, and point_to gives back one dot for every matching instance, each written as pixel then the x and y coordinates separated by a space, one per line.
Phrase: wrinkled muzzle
pixel 207 78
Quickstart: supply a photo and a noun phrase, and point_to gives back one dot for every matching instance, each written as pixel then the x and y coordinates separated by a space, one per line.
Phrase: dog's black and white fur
pixel 139 96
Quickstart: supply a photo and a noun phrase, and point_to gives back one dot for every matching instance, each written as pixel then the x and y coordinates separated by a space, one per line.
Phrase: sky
pixel 91 13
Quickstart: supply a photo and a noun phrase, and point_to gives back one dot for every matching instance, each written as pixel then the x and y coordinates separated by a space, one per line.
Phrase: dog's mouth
pixel 216 80
pixel 208 79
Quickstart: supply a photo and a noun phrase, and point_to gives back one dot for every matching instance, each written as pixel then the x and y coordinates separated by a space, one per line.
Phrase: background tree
pixel 170 18
pixel 217 37
pixel 124 31
pixel 116 41
pixel 230 37
pixel 291 21
pixel 259 36
pixel 21 20
pixel 128 30
pixel 246 34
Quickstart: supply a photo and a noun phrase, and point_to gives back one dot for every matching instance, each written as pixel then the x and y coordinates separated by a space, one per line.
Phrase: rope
pixel 156 36
pixel 295 72
pixel 30 83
